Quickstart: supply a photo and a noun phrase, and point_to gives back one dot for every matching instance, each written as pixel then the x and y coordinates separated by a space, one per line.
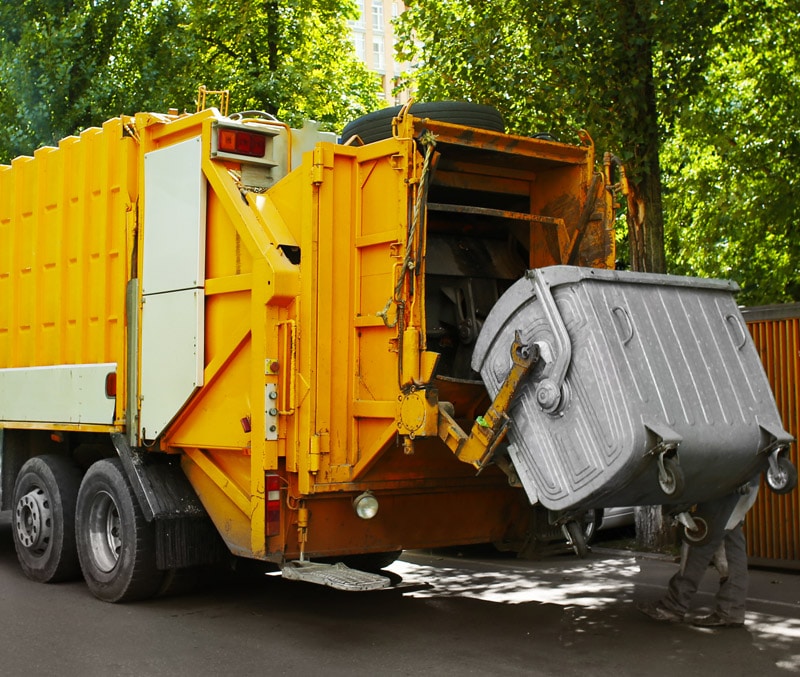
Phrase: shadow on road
pixel 455 616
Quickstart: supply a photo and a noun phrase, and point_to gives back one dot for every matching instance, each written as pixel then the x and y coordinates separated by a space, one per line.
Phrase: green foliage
pixel 69 64
pixel 621 69
pixel 703 96
pixel 732 163
pixel 293 59
pixel 562 65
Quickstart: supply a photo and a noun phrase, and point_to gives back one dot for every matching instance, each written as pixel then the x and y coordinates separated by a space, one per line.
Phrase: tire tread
pixel 62 478
pixel 142 579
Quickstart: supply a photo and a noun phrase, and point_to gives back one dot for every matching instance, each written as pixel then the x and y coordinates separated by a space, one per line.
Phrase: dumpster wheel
pixel 671 479
pixel 782 477
pixel 700 535
pixel 573 531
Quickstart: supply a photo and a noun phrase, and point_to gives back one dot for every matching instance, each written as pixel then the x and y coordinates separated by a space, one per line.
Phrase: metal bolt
pixel 273 412
pixel 548 395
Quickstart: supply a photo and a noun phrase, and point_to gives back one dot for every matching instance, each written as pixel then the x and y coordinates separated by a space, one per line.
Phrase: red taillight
pixel 273 487
pixel 242 142
pixel 111 385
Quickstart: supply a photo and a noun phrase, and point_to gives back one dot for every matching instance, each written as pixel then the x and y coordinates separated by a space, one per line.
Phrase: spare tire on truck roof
pixel 377 125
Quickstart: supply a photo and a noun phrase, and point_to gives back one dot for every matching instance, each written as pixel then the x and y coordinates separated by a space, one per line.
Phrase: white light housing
pixel 366 505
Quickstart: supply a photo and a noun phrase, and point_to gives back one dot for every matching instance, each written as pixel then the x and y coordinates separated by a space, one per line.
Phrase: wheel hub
pixel 104 532
pixel 33 520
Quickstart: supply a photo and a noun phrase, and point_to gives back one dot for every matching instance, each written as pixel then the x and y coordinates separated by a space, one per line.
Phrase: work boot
pixel 716 620
pixel 658 612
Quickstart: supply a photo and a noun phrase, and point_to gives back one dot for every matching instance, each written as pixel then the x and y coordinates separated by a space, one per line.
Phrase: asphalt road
pixel 454 614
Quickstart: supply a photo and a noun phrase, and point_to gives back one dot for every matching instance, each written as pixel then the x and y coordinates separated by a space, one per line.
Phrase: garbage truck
pixel 226 339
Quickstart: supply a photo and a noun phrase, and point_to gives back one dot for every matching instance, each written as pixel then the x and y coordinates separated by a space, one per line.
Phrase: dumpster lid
pixel 558 275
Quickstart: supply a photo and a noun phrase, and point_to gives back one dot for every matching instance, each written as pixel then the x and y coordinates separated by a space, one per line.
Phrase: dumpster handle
pixel 549 391
pixel 736 330
pixel 624 322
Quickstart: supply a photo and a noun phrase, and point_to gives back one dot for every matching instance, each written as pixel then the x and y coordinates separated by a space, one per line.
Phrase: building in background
pixel 373 37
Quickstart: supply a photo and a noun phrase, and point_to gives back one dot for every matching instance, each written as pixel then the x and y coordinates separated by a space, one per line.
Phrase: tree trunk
pixel 646 220
pixel 653 530
pixel 646 235
pixel 645 216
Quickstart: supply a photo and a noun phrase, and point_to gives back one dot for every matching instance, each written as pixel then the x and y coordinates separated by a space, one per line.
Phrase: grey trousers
pixel 730 549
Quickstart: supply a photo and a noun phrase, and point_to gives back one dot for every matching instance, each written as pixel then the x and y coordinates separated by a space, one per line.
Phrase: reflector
pixel 273 518
pixel 111 385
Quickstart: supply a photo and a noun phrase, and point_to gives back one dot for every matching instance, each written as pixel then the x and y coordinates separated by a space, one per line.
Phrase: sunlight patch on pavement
pixel 514 585
pixel 770 632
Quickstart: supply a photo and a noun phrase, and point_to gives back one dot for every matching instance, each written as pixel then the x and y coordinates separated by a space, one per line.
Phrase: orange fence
pixel 773 525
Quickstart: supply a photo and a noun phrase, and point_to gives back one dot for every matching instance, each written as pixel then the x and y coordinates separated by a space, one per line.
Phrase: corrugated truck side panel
pixel 66 222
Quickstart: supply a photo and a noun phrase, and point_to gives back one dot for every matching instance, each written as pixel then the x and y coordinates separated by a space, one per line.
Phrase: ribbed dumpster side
pixel 634 365
pixel 773 525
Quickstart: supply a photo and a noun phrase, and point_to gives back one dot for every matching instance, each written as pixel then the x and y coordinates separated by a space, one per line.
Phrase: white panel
pixel 174 218
pixel 71 393
pixel 172 356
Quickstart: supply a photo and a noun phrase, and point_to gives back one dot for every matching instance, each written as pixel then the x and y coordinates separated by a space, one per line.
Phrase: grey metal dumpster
pixel 648 389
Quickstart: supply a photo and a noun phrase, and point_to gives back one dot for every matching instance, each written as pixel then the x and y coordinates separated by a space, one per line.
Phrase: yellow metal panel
pixel 65 233
pixel 7 238
pixel 226 503
pixel 312 330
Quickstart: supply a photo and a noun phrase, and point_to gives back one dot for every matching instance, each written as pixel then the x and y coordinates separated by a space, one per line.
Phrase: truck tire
pixel 44 518
pixel 116 545
pixel 377 125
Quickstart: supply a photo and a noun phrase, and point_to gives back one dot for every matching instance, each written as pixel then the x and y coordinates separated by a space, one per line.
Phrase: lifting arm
pixel 488 430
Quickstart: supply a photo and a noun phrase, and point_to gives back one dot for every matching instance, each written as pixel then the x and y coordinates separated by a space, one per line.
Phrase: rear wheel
pixel 116 545
pixel 44 518
pixel 372 562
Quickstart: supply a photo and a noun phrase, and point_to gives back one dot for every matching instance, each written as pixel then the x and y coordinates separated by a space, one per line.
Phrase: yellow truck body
pixel 280 315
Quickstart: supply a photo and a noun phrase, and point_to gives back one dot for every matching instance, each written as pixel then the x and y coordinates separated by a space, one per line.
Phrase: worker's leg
pixel 732 595
pixel 694 564
pixel 695 560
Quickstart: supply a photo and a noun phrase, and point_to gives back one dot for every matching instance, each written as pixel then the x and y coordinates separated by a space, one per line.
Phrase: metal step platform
pixel 338 576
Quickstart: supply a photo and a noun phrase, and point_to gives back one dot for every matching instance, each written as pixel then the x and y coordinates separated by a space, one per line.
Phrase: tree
pixel 69 64
pixel 621 69
pixel 731 162
pixel 291 58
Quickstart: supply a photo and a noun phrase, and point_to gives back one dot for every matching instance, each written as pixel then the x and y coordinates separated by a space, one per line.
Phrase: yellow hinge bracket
pixel 317 165
pixel 320 444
